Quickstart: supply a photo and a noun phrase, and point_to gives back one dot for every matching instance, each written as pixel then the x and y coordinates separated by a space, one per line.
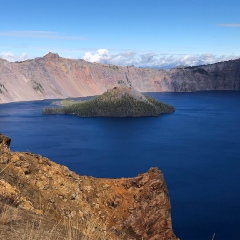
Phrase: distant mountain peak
pixel 51 55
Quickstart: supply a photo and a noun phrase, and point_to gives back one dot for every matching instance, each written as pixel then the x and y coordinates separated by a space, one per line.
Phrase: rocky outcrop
pixel 5 140
pixel 52 77
pixel 127 208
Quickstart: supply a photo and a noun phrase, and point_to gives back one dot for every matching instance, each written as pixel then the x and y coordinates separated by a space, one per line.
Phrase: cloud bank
pixel 11 57
pixel 152 60
pixel 129 58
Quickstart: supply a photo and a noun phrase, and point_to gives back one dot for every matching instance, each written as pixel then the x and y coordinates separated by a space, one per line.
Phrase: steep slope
pixel 218 76
pixel 116 102
pixel 47 77
pixel 54 77
pixel 126 208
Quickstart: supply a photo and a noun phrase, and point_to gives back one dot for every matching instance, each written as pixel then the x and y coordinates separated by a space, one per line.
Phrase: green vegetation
pixel 2 88
pixel 121 82
pixel 198 69
pixel 163 107
pixel 114 103
pixel 37 86
pixel 201 71
pixel 114 67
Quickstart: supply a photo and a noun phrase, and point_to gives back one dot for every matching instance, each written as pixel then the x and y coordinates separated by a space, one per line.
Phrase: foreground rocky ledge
pixel 127 208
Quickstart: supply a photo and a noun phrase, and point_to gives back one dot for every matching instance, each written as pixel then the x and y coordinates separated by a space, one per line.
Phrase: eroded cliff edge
pixel 127 208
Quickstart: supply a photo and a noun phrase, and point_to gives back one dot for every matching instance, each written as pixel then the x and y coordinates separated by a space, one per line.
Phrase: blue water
pixel 197 148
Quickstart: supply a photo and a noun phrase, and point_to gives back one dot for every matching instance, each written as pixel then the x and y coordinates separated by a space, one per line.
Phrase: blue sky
pixel 153 33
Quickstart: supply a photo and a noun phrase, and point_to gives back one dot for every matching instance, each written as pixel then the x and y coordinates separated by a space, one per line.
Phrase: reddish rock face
pixel 126 208
pixel 54 77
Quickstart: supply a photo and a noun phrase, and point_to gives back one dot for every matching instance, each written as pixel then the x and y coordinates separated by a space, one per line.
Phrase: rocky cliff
pixel 133 208
pixel 54 77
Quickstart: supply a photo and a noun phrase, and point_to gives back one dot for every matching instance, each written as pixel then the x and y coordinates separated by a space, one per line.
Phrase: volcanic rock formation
pixel 116 102
pixel 127 208
pixel 52 77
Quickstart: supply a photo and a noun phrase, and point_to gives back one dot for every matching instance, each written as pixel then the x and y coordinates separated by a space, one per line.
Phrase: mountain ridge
pixel 54 77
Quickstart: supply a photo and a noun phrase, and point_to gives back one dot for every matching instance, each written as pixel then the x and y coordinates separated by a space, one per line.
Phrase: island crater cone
pixel 126 208
pixel 123 101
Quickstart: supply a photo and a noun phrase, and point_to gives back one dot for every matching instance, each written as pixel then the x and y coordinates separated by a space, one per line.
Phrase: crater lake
pixel 197 148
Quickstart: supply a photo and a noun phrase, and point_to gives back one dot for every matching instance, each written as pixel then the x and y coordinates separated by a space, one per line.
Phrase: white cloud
pixel 129 58
pixel 152 59
pixel 99 56
pixel 11 57
pixel 229 25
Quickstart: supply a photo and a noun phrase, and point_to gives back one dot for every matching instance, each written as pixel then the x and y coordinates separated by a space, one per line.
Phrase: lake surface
pixel 197 148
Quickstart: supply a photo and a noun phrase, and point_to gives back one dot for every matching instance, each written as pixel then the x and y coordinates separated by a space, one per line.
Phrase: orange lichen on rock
pixel 126 208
